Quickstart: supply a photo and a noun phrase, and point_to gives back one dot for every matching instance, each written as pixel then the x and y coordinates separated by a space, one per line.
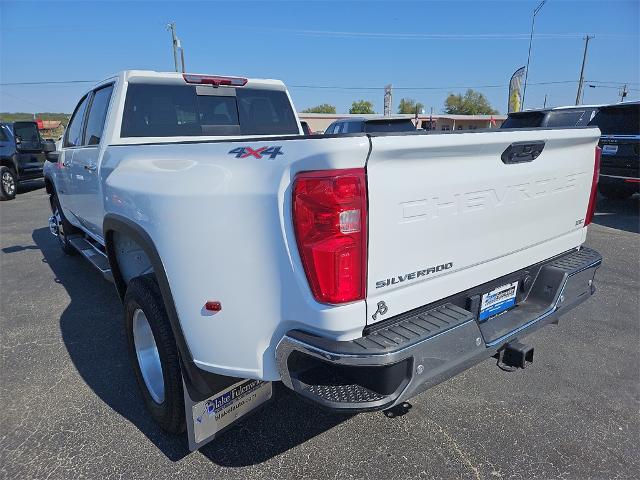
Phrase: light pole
pixel 526 72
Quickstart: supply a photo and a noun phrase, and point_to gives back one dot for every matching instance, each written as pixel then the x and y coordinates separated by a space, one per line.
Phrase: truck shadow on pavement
pixel 93 333
pixel 620 214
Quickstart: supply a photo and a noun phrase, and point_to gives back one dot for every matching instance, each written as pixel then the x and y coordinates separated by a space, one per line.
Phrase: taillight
pixel 330 222
pixel 594 188
pixel 214 80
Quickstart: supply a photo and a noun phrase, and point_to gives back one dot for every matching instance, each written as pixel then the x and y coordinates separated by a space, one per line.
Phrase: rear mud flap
pixel 206 419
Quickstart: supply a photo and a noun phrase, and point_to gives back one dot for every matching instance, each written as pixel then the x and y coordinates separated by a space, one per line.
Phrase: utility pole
pixel 172 26
pixel 526 72
pixel 387 100
pixel 545 101
pixel 584 61
pixel 623 93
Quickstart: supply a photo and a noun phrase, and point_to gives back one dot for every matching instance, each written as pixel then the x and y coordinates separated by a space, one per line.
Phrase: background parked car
pixel 22 155
pixel 573 116
pixel 370 125
pixel 620 143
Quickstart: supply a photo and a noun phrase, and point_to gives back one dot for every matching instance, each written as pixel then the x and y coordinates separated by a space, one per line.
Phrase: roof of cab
pixel 577 107
pixel 151 76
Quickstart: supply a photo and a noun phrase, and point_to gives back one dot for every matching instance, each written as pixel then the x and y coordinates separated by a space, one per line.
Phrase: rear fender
pixel 200 384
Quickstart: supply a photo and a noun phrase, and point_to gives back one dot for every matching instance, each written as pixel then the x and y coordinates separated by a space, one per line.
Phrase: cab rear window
pixel 569 118
pixel 153 110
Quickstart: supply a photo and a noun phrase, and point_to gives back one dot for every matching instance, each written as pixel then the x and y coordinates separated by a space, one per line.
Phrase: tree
pixel 409 105
pixel 471 103
pixel 323 108
pixel 362 106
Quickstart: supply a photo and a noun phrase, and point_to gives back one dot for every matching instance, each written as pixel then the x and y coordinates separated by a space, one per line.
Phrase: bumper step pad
pixel 409 329
pixel 371 386
pixel 348 393
pixel 416 327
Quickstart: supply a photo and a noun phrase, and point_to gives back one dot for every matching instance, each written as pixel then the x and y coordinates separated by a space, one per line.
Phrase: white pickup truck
pixel 358 269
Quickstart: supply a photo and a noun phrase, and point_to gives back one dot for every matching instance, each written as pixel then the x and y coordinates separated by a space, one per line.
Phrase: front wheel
pixel 154 354
pixel 60 226
pixel 8 184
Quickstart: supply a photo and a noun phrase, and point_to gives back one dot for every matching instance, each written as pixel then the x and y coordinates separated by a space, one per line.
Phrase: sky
pixel 326 51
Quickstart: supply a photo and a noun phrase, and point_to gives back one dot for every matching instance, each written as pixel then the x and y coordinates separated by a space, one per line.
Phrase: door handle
pixel 92 167
pixel 66 163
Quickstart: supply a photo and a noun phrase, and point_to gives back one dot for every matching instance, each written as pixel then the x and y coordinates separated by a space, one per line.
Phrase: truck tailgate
pixel 446 213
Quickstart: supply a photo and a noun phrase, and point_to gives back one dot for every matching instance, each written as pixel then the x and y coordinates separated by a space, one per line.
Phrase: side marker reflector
pixel 213 306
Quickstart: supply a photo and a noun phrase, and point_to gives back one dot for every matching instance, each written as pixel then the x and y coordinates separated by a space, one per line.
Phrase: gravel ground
pixel 71 408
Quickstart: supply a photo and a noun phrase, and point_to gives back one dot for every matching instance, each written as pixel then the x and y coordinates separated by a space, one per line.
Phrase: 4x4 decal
pixel 244 152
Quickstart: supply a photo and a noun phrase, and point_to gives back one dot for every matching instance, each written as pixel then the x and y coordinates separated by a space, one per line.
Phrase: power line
pixel 451 87
pixel 52 82
pixel 429 36
pixel 382 35
pixel 342 87
pixel 615 83
pixel 616 88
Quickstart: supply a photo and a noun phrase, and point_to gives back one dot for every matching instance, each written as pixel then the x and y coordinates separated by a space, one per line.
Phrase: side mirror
pixel 48 147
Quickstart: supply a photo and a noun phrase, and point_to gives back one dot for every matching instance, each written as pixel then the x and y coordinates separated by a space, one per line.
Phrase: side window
pixel 354 127
pixel 330 129
pixel 97 115
pixel 73 136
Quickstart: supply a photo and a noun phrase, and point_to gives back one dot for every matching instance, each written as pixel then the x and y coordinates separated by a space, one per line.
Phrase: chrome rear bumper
pixel 431 344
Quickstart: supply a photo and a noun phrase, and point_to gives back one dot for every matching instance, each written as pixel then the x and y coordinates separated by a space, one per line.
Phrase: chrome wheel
pixel 148 356
pixel 56 222
pixel 8 183
pixel 56 225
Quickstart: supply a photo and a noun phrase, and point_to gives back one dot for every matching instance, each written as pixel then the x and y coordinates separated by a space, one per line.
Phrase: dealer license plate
pixel 498 300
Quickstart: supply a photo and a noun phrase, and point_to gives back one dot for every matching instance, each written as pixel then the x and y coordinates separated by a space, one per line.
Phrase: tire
pixel 157 372
pixel 615 192
pixel 64 227
pixel 8 184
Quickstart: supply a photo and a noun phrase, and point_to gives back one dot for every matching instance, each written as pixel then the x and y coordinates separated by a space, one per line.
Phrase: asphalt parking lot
pixel 71 408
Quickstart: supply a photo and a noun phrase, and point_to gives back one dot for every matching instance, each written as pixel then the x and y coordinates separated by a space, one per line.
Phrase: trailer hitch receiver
pixel 515 355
